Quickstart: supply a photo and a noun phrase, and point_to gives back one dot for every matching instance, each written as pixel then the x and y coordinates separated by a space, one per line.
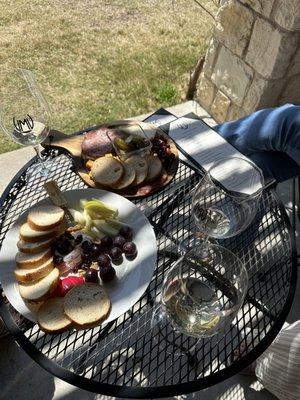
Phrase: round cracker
pixel 51 316
pixel 107 171
pixel 87 304
pixel 141 168
pixel 127 178
pixel 154 167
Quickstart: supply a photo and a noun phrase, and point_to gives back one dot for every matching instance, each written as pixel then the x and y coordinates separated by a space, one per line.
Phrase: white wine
pixel 192 307
pixel 213 221
pixel 30 134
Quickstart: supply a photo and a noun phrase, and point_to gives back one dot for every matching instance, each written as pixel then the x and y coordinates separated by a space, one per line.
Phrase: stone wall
pixel 253 60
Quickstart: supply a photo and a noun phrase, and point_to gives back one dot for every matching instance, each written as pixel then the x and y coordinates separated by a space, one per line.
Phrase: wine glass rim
pixel 237 195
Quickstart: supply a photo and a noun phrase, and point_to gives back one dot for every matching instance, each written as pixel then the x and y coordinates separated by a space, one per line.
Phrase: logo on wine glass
pixel 24 126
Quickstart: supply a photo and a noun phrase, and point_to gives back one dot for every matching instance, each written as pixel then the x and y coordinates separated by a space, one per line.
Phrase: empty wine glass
pixel 24 113
pixel 201 295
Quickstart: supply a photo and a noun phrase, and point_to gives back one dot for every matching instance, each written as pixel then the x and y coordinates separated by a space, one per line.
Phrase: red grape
pixel 78 239
pixel 107 274
pixel 106 242
pixel 119 241
pixel 104 261
pixel 115 253
pixel 91 275
pixel 126 232
pixel 86 245
pixel 129 249
pixel 95 251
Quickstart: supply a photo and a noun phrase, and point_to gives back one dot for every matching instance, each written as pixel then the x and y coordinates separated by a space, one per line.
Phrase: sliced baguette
pixel 31 260
pixel 107 171
pixel 36 247
pixel 154 167
pixel 51 316
pixel 31 235
pixel 45 218
pixel 34 274
pixel 87 304
pixel 141 168
pixel 41 289
pixel 127 178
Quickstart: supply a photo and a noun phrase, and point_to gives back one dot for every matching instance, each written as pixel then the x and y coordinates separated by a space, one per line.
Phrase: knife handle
pixel 55 194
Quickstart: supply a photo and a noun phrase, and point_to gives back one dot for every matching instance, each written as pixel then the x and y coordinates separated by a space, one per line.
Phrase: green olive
pixel 121 144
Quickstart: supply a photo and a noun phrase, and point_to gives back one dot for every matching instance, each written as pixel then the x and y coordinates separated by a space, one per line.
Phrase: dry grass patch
pixel 99 61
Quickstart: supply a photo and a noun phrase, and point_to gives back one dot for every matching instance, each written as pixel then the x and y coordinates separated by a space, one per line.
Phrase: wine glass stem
pixel 40 158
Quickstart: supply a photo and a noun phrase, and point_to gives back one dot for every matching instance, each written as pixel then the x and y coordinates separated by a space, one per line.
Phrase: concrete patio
pixel 21 378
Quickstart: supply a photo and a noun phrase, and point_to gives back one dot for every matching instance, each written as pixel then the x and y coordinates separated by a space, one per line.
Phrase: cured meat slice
pixel 96 143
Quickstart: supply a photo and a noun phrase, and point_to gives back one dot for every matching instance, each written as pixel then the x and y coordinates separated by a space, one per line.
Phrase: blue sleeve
pixel 271 137
pixel 272 129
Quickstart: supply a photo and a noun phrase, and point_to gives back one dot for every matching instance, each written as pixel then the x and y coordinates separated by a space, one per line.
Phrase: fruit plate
pixel 132 277
pixel 72 144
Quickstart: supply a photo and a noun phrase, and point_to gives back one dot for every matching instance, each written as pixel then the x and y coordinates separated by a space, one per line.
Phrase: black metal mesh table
pixel 123 358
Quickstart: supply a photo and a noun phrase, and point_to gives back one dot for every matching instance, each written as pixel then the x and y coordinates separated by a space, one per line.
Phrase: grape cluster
pixel 64 244
pixel 161 148
pixel 103 252
pixel 99 252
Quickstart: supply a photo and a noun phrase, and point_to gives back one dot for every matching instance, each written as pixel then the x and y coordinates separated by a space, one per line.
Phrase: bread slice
pixel 127 178
pixel 31 260
pixel 35 273
pixel 154 167
pixel 51 317
pixel 107 171
pixel 44 218
pixel 36 247
pixel 41 289
pixel 141 168
pixel 31 235
pixel 87 304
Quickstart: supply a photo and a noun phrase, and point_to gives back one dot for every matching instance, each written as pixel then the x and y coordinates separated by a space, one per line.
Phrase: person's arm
pixel 270 137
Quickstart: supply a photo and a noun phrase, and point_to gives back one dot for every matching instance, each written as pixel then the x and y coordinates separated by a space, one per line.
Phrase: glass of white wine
pixel 24 113
pixel 201 295
pixel 226 199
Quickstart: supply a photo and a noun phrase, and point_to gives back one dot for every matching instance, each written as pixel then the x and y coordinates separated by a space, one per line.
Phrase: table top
pixel 123 358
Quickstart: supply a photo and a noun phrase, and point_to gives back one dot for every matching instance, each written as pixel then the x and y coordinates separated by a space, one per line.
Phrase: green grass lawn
pixel 98 62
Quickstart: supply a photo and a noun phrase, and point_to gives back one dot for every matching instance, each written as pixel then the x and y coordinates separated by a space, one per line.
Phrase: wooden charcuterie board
pixel 72 145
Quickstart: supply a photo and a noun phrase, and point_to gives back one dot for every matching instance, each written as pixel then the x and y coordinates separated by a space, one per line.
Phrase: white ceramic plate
pixel 132 277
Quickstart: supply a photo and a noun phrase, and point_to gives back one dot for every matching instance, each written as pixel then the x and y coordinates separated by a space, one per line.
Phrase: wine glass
pixel 24 113
pixel 226 199
pixel 225 202
pixel 203 292
pixel 201 295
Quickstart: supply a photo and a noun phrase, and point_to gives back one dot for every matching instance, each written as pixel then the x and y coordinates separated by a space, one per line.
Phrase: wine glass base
pixel 41 169
pixel 168 339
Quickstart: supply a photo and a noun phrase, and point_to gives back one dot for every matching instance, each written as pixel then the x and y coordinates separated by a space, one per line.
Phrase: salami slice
pixel 96 143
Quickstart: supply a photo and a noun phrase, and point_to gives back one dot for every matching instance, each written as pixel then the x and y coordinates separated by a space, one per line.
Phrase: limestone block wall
pixel 253 60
